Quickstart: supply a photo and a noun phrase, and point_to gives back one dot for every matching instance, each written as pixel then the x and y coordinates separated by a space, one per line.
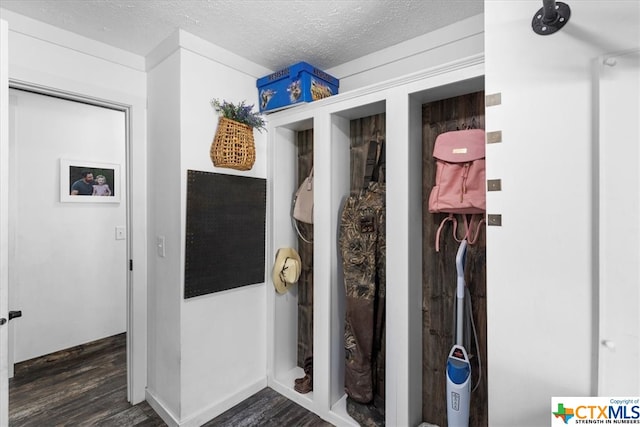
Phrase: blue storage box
pixel 301 82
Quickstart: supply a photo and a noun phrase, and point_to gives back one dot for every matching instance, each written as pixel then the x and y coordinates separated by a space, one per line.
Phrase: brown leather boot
pixel 304 386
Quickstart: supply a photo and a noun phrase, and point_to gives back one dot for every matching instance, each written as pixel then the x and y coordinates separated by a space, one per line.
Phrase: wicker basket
pixel 233 146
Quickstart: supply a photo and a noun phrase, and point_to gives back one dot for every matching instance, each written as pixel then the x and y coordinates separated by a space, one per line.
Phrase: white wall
pixel 76 295
pixel 224 333
pixel 459 40
pixel 207 353
pixel 164 219
pixel 539 263
pixel 44 56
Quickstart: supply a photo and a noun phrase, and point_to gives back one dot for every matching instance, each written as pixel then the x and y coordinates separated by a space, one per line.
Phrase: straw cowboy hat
pixel 286 269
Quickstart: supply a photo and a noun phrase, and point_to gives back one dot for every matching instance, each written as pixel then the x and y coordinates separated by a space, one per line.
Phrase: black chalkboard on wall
pixel 225 237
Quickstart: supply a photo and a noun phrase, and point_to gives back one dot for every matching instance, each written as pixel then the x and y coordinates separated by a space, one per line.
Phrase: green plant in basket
pixel 241 113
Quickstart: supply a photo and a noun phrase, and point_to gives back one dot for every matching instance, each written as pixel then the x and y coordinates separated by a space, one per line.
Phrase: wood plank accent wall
pixel 439 272
pixel 305 283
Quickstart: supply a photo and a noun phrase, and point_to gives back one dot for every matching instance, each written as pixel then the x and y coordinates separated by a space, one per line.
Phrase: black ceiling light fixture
pixel 551 17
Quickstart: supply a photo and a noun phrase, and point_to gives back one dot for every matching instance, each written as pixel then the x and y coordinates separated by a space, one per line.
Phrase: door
pixel 619 225
pixel 68 254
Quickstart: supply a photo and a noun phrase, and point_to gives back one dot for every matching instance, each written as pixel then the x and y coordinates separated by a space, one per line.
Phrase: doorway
pixel 68 259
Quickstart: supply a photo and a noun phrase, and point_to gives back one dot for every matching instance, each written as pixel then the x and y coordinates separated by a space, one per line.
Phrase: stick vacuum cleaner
pixel 458 365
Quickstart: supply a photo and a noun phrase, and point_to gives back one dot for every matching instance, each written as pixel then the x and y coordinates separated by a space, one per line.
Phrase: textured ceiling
pixel 272 33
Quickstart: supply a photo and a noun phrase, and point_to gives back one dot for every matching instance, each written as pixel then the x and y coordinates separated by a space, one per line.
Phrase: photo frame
pixel 103 185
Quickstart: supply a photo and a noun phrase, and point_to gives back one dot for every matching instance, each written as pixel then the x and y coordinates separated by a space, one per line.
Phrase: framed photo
pixel 89 182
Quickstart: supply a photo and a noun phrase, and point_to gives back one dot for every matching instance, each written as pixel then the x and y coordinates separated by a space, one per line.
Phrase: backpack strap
pixel 470 234
pixel 472 228
pixel 453 219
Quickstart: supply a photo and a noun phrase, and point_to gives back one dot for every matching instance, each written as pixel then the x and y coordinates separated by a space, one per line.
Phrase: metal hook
pixel 551 17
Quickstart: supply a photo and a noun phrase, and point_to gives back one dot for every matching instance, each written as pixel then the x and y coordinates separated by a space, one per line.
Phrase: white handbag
pixel 302 206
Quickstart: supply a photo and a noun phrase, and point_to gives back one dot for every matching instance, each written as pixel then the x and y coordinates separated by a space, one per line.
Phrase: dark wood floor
pixel 86 386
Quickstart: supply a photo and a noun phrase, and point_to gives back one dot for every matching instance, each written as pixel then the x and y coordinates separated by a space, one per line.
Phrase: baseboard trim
pixel 212 411
pixel 208 413
pixel 158 406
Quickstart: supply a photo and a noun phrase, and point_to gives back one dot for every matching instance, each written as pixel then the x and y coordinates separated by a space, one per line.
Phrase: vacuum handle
pixel 460 259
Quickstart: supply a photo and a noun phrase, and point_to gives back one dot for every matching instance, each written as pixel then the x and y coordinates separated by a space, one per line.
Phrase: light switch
pixel 160 246
pixel 120 233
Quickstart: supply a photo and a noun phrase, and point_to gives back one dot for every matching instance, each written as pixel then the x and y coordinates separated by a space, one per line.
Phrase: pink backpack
pixel 460 180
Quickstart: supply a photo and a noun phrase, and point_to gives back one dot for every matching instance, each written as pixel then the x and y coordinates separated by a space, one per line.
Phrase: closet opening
pixel 358 327
pixel 451 108
pixel 291 329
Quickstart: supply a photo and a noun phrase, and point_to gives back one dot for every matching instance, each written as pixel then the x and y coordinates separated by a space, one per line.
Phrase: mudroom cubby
pixel 461 112
pixel 346 127
pixel 283 339
pixel 401 101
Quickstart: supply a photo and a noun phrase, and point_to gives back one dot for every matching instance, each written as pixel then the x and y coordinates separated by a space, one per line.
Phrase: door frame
pixel 136 295
pixel 608 273
pixel 4 220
